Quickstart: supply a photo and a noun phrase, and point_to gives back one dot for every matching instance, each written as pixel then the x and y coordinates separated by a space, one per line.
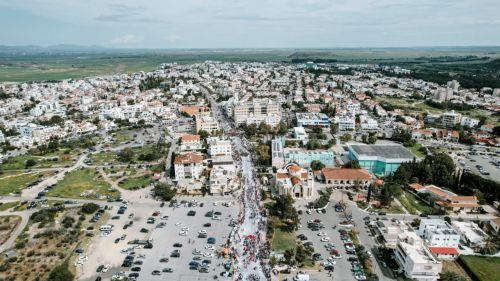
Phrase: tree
pixel 203 134
pixel 316 165
pixel 163 191
pixel 284 209
pixel 61 273
pixel 387 193
pixel 282 128
pixel 30 163
pixel 288 255
pixel 490 246
pixel 126 154
pixel 264 154
pixel 353 164
pixel 89 208
pixel 334 128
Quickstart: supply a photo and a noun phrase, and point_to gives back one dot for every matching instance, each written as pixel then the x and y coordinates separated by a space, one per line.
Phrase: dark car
pixel 211 240
pixel 168 270
pixel 207 224
pixel 175 254
pixel 136 269
pixel 177 245
pixel 133 275
pixel 203 270
pixel 144 230
pixel 191 213
pixel 156 272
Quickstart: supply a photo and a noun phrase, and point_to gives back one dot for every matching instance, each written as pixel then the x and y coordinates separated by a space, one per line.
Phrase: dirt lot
pixel 7 225
pixel 49 240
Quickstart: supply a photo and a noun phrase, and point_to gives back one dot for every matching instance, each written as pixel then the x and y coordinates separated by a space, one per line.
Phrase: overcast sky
pixel 251 23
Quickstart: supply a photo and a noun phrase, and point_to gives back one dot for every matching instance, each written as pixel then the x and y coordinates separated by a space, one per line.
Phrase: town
pixel 250 171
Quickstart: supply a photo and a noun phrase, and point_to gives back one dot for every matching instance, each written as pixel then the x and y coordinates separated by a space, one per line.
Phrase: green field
pixel 19 162
pixel 435 64
pixel 283 241
pixel 412 204
pixel 135 182
pixel 8 205
pixel 16 183
pixel 111 157
pixel 82 183
pixel 483 268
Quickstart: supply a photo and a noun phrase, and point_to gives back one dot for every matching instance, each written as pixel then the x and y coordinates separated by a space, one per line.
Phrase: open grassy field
pixel 483 268
pixel 52 160
pixel 44 64
pixel 16 183
pixel 82 183
pixel 392 209
pixel 8 205
pixel 132 183
pixel 453 266
pixel 414 205
pixel 111 157
pixel 283 241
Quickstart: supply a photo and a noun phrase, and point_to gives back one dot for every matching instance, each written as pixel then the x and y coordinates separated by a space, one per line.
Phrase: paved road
pixel 24 221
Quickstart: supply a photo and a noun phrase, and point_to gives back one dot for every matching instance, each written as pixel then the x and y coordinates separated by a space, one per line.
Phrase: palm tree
pixel 490 247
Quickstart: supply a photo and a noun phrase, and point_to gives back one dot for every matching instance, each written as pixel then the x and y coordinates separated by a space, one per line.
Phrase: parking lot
pixel 175 219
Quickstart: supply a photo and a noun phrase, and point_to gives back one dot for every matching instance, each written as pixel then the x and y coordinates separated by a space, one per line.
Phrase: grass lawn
pixel 122 136
pixel 19 162
pixel 112 156
pixel 484 268
pixel 413 204
pixel 8 205
pixel 283 241
pixel 16 183
pixel 453 266
pixel 135 182
pixel 82 183
pixel 392 209
pixel 415 150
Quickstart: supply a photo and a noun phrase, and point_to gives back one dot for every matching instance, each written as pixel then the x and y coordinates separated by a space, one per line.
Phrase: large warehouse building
pixel 381 160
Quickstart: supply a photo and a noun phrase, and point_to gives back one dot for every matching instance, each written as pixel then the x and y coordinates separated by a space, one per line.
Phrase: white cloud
pixel 128 39
pixel 172 38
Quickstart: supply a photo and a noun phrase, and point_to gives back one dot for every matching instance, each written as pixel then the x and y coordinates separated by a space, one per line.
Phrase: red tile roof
pixel 443 250
pixel 188 158
pixel 190 138
pixel 345 174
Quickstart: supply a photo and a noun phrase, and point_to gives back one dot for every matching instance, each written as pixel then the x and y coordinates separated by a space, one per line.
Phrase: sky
pixel 168 24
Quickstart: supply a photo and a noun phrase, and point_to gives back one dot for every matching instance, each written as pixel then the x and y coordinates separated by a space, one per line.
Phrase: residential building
pixel 309 119
pixel 188 166
pixel 380 159
pixel 257 111
pixel 415 259
pixel 437 232
pixel 219 147
pixel 469 122
pixel 295 181
pixel 470 233
pixel 345 178
pixel 450 118
pixel 346 123
pixel 300 134
pixel 190 143
pixel 389 231
pixel 446 199
pixel 207 124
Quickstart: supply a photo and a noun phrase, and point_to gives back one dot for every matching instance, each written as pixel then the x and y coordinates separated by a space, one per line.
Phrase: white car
pixel 83 258
pixel 321 234
pixel 178 223
pixel 185 228
pixel 183 233
pixel 216 218
pixel 206 255
pixel 203 231
pixel 325 239
pixel 105 268
pixel 209 247
pixel 164 218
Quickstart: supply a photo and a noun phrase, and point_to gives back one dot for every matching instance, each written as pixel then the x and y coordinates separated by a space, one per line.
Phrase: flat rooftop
pixel 385 151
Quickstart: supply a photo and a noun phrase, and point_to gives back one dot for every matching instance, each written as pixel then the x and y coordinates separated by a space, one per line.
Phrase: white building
pixel 188 166
pixel 257 111
pixel 190 143
pixel 469 122
pixel 415 259
pixel 305 119
pixel 346 123
pixel 206 123
pixel 470 233
pixel 219 147
pixel 437 232
pixel 295 181
pixel 450 118
pixel 300 134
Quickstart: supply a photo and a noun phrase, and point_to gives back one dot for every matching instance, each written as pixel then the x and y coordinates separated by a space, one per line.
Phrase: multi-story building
pixel 469 122
pixel 309 119
pixel 451 118
pixel 219 147
pixel 346 123
pixel 295 181
pixel 190 143
pixel 446 199
pixel 437 232
pixel 389 230
pixel 188 166
pixel 415 259
pixel 300 134
pixel 470 234
pixel 256 111
pixel 206 123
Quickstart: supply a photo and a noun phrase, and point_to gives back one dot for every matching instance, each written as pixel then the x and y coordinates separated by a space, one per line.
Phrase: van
pixel 106 227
